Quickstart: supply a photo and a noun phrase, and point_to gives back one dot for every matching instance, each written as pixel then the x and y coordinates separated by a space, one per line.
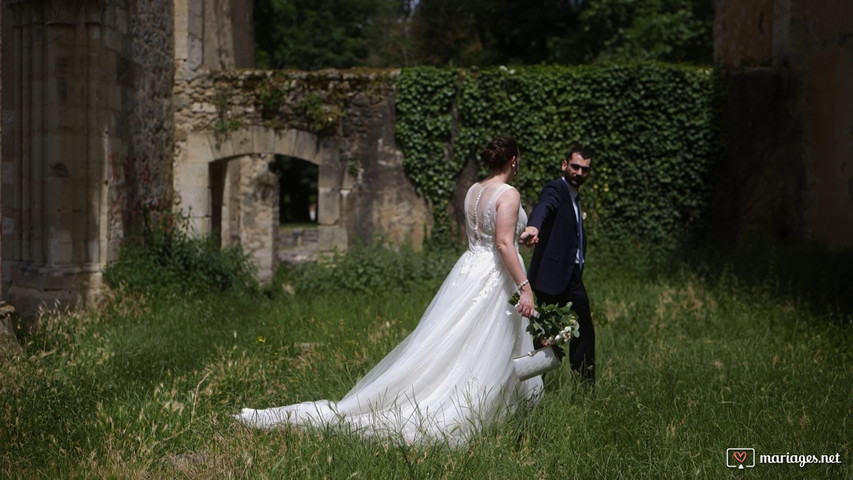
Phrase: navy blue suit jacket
pixel 554 256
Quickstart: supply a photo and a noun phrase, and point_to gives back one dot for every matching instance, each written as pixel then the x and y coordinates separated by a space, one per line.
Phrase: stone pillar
pixel 57 115
pixel 822 37
pixel 805 184
pixel 2 68
pixel 249 215
pixel 243 33
pixel 216 34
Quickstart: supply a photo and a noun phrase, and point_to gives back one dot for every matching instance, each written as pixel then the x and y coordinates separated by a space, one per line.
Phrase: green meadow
pixel 697 355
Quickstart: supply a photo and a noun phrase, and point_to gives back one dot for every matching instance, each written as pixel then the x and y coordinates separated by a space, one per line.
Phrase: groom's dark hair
pixel 583 152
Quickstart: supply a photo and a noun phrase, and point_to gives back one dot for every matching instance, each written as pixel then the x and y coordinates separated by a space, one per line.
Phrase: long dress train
pixel 453 375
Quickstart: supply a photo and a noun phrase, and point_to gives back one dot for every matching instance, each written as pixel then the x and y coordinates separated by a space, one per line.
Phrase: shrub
pixel 372 266
pixel 168 258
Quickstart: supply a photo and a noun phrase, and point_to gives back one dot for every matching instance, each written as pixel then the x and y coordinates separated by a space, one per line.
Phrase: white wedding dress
pixel 453 375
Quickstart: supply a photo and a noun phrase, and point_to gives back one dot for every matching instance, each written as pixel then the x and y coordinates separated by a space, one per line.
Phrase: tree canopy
pixel 314 34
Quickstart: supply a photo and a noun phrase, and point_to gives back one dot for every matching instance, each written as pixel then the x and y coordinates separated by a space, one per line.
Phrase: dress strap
pixel 500 191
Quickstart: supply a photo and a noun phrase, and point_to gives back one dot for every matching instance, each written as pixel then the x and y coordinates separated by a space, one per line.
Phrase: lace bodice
pixel 480 215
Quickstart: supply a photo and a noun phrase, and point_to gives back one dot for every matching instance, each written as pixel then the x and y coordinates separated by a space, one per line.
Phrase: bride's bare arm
pixel 505 222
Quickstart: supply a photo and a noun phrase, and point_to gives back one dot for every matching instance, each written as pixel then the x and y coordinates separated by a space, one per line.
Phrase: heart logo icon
pixel 740 456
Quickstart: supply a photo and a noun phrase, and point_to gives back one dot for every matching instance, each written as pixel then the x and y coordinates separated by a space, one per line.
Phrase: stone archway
pixel 223 183
pixel 123 108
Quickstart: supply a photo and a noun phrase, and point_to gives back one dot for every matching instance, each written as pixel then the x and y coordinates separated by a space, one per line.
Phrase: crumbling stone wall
pixel 249 209
pixel 87 129
pixel 140 168
pixel 790 119
pixel 761 190
pixel 822 39
pixel 1 150
pixel 341 121
pixel 744 31
pixel 112 108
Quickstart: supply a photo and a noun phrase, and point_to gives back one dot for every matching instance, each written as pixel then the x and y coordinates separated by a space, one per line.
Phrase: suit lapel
pixel 567 198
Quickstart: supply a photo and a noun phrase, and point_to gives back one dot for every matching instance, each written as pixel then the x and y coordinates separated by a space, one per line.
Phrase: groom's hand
pixel 530 236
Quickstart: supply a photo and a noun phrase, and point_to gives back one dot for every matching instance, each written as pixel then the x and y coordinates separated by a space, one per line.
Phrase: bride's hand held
pixel 525 301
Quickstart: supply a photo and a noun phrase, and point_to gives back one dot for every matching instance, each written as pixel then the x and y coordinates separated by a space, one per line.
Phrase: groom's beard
pixel 575 181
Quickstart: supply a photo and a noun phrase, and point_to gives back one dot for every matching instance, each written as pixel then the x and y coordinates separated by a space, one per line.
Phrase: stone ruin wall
pixel 111 108
pixel 87 128
pixel 141 168
pixel 231 120
pixel 343 121
pixel 790 118
pixel 823 37
pixel 2 67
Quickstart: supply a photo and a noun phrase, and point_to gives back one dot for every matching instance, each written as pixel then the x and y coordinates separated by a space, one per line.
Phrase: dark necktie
pixel 580 230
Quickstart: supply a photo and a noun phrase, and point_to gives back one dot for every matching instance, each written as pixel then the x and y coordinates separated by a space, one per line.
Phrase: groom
pixel 556 270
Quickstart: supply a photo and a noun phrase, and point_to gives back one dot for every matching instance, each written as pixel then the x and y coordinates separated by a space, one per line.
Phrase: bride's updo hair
pixel 499 152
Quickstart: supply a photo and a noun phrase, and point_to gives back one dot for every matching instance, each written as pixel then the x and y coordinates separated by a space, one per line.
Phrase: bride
pixel 453 375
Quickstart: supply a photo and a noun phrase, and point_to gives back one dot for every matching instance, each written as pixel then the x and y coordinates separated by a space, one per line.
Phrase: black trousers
pixel 582 348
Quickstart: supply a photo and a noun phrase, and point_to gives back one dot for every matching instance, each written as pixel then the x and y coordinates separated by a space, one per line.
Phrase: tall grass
pixel 690 363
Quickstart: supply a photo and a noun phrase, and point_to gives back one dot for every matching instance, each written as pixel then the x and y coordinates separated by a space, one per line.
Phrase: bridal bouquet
pixel 552 325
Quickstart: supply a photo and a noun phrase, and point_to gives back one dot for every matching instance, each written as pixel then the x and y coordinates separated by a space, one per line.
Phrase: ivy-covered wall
pixel 652 129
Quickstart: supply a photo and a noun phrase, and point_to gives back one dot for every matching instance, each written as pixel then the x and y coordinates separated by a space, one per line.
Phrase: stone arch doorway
pixel 297 181
pixel 224 183
pixel 297 209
